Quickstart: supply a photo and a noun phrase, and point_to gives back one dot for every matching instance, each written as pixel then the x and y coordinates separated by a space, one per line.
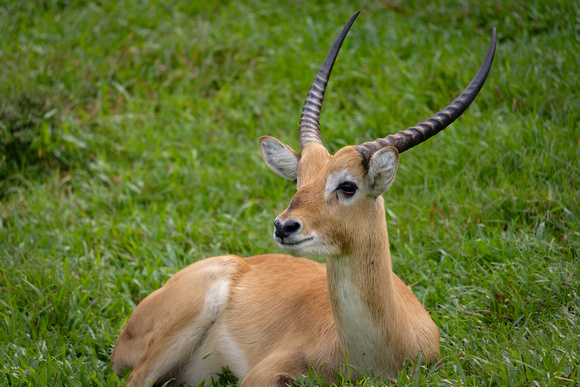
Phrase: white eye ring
pixel 342 181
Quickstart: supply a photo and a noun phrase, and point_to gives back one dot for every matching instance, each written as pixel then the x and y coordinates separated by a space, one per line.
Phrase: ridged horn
pixel 309 129
pixel 406 139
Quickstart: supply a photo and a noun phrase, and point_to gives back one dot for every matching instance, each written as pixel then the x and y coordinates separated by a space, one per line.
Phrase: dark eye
pixel 347 188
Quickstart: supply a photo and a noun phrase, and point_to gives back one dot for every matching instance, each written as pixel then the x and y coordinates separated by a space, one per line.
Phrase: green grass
pixel 150 162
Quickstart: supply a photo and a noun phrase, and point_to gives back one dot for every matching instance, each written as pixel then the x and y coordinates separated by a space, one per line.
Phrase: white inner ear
pixel 382 169
pixel 280 157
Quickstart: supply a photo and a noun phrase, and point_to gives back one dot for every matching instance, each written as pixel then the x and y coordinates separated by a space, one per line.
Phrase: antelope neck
pixel 366 305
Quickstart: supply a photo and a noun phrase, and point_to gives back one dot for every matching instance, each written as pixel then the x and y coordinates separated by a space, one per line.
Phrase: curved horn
pixel 309 129
pixel 406 139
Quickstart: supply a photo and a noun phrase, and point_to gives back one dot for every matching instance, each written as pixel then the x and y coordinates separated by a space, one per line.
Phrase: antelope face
pixel 336 198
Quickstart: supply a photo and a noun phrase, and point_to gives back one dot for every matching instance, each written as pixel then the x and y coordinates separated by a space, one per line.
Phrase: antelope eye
pixel 348 188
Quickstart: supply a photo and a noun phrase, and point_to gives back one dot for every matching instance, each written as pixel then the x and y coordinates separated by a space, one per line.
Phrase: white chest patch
pixel 355 325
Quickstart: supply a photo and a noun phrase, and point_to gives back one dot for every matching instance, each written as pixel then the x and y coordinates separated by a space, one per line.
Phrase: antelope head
pixel 338 204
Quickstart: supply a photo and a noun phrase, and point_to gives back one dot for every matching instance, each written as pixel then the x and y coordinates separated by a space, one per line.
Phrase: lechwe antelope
pixel 270 317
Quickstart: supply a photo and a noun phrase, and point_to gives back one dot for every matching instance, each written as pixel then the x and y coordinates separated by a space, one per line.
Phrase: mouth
pixel 307 246
pixel 292 244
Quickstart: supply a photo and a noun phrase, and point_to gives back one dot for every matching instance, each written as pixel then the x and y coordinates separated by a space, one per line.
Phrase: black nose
pixel 284 230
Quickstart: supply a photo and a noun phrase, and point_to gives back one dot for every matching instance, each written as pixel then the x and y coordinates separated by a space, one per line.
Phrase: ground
pixel 139 155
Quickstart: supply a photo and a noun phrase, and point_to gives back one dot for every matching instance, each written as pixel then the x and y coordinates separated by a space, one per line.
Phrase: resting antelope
pixel 269 317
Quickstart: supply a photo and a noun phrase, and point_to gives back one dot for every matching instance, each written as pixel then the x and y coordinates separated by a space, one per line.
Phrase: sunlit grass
pixel 151 162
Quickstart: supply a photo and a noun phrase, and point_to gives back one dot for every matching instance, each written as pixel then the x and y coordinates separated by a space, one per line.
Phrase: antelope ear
pixel 280 157
pixel 382 169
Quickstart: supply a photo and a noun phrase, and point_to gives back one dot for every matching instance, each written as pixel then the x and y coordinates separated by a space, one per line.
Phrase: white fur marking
pixel 337 178
pixel 360 333
pixel 382 169
pixel 219 350
pixel 216 299
pixel 280 159
pixel 235 357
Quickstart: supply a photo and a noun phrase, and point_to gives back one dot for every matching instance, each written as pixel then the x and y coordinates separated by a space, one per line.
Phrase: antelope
pixel 271 317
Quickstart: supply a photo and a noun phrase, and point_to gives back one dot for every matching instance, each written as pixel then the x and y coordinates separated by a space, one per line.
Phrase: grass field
pixel 129 136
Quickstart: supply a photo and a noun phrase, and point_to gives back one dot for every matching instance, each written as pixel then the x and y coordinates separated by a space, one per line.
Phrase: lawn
pixel 129 149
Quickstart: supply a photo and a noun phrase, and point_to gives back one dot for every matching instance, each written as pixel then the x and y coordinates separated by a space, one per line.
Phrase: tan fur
pixel 270 317
pixel 397 323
